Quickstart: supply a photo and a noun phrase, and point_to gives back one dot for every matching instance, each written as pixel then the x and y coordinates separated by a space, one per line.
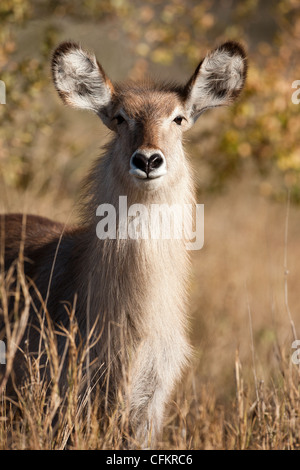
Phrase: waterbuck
pixel 133 291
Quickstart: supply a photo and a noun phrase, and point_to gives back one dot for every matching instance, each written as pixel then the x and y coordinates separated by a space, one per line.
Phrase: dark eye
pixel 119 119
pixel 178 120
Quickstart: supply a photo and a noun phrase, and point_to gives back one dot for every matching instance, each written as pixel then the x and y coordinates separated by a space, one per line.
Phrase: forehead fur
pixel 148 97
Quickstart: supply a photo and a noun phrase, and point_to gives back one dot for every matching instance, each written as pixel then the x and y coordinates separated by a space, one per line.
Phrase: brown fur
pixel 133 290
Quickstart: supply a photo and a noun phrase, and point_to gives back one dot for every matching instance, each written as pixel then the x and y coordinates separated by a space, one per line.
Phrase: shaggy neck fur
pixel 138 287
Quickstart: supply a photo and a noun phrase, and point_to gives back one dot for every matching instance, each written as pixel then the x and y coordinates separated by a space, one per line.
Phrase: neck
pixel 135 285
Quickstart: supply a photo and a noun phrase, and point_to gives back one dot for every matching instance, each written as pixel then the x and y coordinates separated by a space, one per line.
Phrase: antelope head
pixel 148 118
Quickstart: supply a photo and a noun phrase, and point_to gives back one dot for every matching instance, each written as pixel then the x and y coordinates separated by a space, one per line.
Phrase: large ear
pixel 218 79
pixel 80 80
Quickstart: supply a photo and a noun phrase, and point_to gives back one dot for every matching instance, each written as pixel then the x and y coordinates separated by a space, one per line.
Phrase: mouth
pixel 142 175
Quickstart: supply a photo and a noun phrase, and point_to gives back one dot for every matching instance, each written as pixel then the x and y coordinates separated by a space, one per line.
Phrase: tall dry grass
pixel 241 390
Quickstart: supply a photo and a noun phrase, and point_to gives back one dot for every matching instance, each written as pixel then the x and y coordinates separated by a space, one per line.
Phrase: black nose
pixel 147 164
pixel 155 161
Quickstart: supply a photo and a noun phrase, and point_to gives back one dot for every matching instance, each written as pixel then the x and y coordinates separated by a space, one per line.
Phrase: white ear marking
pixel 79 79
pixel 218 79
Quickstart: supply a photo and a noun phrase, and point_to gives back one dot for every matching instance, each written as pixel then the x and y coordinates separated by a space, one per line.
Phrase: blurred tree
pixel 266 122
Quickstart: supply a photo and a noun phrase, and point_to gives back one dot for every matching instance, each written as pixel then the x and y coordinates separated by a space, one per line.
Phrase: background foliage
pixel 166 36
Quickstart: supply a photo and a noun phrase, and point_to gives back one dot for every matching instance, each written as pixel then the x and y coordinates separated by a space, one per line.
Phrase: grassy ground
pixel 241 390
